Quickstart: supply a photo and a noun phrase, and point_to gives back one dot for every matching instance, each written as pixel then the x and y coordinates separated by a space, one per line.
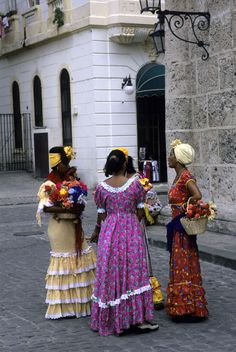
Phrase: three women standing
pixel 122 294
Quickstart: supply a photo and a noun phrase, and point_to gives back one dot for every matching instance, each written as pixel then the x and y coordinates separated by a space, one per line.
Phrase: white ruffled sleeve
pixel 43 200
pixel 99 200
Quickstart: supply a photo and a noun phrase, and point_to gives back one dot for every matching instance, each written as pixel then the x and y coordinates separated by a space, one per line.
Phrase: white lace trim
pixel 125 296
pixel 69 286
pixel 117 189
pixel 67 314
pixel 101 210
pixel 70 272
pixel 70 254
pixel 68 301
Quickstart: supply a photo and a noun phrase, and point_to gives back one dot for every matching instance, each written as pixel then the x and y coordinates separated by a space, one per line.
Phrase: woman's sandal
pixel 159 306
pixel 145 327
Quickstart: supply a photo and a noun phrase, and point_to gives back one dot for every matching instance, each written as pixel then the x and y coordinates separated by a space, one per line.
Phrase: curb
pixel 206 253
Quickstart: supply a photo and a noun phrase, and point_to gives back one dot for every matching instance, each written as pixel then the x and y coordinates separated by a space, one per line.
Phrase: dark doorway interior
pixel 66 107
pixel 151 130
pixel 17 115
pixel 41 154
pixel 38 106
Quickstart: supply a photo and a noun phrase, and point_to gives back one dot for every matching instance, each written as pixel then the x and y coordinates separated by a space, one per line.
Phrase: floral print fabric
pixel 122 294
pixel 185 294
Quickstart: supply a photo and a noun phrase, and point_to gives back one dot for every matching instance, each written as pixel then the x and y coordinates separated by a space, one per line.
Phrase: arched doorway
pixel 66 107
pixel 150 100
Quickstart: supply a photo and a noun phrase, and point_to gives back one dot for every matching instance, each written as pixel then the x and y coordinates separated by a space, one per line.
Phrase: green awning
pixel 150 81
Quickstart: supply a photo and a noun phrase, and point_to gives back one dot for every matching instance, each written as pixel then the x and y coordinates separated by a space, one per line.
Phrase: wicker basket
pixel 194 226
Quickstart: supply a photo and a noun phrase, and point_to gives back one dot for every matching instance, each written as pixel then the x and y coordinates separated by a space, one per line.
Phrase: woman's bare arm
pixel 194 191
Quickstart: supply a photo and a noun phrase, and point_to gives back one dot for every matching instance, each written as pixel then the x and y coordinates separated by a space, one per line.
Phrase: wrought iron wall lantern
pixel 127 85
pixel 199 21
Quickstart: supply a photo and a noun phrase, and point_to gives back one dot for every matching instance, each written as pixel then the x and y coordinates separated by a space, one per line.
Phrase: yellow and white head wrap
pixel 123 150
pixel 55 158
pixel 184 152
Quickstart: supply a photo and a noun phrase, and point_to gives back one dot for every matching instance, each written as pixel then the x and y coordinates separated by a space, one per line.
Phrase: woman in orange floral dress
pixel 185 294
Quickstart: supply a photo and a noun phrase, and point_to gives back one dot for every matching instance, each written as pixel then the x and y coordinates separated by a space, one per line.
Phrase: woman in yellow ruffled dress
pixel 71 272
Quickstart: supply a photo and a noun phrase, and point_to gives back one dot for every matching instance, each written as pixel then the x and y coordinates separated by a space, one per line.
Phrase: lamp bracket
pixel 126 81
pixel 199 21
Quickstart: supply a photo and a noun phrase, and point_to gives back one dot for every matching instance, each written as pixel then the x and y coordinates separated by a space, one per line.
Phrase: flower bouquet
pixel 197 215
pixel 68 194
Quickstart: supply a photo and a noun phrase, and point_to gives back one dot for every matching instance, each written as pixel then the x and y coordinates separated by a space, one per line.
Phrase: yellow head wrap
pixel 184 152
pixel 123 150
pixel 69 152
pixel 55 158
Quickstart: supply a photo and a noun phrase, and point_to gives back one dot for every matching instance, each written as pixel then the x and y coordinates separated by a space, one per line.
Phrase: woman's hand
pixel 140 213
pixel 55 210
pixel 59 210
pixel 77 209
pixel 95 235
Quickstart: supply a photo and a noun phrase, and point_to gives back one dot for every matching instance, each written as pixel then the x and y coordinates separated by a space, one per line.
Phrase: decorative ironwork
pixel 199 21
pixel 11 157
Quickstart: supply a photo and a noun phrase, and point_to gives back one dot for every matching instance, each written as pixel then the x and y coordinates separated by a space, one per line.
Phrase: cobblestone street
pixel 24 259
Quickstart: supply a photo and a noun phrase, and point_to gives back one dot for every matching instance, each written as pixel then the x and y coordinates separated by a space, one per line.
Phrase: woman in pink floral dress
pixel 122 295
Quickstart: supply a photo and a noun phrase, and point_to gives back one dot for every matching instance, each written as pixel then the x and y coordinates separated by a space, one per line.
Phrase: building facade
pixel 63 61
pixel 201 104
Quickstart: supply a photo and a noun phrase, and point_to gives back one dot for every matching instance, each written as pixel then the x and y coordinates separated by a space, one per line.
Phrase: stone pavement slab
pixel 24 257
pixel 18 188
pixel 24 261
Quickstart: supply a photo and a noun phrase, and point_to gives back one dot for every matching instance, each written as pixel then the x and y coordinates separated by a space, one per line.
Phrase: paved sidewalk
pixel 21 188
pixel 24 257
pixel 213 247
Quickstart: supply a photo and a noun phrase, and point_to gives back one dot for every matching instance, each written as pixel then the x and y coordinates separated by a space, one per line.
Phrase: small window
pixel 33 2
pixel 12 5
pixel 38 109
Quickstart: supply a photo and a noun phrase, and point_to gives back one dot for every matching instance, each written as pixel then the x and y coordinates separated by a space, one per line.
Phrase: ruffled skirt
pixel 70 278
pixel 122 293
pixel 185 293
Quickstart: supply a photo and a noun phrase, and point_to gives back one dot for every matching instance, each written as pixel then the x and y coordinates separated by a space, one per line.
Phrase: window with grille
pixel 33 2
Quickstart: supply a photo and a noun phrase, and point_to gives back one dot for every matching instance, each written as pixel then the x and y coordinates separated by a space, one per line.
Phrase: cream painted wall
pixel 106 115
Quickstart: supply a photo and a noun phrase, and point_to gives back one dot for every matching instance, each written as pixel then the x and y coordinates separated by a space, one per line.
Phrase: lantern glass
pixel 149 5
pixel 158 37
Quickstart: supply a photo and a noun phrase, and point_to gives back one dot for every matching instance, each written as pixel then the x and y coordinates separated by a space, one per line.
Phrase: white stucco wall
pixel 106 115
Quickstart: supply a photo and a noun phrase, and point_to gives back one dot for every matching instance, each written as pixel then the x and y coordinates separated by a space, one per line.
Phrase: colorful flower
pixel 201 209
pixel 67 194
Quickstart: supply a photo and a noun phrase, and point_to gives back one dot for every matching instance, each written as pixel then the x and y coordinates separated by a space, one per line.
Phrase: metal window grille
pixel 12 158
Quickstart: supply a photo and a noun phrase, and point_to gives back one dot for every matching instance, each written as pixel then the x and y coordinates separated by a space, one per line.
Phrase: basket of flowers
pixel 197 215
